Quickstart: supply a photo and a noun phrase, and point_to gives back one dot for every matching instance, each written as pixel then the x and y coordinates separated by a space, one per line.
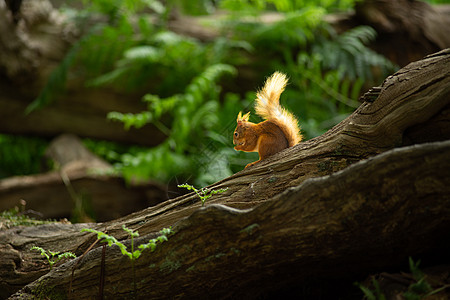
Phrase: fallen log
pixel 407 30
pixel 81 186
pixel 348 221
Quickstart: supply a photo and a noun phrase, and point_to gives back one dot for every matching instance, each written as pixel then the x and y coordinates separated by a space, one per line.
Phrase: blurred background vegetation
pixel 191 87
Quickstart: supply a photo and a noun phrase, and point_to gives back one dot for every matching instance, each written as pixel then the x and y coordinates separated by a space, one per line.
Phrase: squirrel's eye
pixel 235 134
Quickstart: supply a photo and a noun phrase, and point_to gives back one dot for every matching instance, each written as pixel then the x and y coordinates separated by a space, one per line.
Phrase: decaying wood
pixel 352 218
pixel 68 148
pixel 394 285
pixel 81 111
pixel 81 179
pixel 31 49
pixel 351 221
pixel 32 42
pixel 407 30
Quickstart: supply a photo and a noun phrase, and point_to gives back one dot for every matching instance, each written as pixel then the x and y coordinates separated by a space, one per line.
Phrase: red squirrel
pixel 280 129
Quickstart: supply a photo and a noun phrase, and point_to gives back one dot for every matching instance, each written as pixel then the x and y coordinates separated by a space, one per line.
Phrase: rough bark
pixel 352 221
pixel 33 40
pixel 407 30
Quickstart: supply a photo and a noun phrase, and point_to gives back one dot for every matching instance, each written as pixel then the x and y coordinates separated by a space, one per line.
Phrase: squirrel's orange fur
pixel 280 129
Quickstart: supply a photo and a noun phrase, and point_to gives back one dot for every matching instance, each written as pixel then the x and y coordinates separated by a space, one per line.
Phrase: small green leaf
pixel 136 254
pixel 162 238
pixel 131 232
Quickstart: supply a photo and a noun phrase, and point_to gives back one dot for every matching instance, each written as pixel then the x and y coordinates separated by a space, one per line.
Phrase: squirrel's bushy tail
pixel 268 107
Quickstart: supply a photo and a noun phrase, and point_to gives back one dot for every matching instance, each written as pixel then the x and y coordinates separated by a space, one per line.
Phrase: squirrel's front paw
pixel 250 164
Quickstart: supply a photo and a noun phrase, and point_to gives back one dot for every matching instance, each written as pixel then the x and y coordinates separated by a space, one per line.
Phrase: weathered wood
pixel 82 112
pixel 407 30
pixel 33 43
pixel 31 49
pixel 68 148
pixel 417 94
pixel 353 221
pixel 394 285
pixel 80 182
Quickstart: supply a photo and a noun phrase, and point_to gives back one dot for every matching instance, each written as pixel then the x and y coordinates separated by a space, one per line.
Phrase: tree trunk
pixel 279 229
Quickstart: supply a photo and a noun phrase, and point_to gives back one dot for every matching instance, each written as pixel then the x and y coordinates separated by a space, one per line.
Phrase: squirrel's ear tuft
pixel 241 118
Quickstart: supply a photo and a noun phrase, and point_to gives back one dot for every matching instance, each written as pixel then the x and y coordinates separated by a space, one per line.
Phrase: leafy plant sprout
pixel 203 193
pixel 53 257
pixel 419 289
pixel 134 254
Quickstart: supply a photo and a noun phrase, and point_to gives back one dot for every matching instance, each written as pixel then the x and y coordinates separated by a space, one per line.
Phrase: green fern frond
pixel 253 6
pixel 191 100
pixel 203 81
pixel 137 120
pixel 132 58
pixel 158 106
pixel 98 58
pixel 169 38
pixel 192 113
pixel 107 78
pixel 294 30
pixel 349 53
pixel 90 55
pixel 143 53
pixel 56 82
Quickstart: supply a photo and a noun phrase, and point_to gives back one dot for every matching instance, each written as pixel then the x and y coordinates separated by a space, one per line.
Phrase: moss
pixel 11 218
pixel 219 255
pixel 187 249
pixel 169 265
pixel 235 251
pixel 45 291
pixel 339 150
pixel 324 165
pixel 272 179
pixel 250 229
pixel 190 269
pixel 215 256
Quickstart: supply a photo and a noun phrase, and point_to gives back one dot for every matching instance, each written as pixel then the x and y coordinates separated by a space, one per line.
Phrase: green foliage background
pixel 131 48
